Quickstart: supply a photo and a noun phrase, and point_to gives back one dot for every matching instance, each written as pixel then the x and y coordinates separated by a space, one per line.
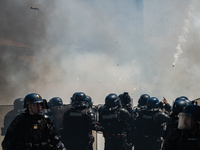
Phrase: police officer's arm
pixel 167 105
pixel 93 124
pixel 53 137
pixel 11 137
pixel 125 115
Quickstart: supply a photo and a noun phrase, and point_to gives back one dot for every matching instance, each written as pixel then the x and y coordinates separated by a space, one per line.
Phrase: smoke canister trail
pixel 185 30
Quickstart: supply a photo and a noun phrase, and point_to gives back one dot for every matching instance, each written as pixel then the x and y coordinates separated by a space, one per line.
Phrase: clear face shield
pixel 36 108
pixel 187 121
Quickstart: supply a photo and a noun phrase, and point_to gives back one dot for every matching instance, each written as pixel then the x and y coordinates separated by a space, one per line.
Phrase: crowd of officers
pixel 151 125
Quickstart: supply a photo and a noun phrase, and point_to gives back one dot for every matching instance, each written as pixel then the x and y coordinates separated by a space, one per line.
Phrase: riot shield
pixel 94 133
pixel 97 115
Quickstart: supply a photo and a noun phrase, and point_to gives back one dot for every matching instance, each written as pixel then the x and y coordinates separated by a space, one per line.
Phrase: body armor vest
pixel 77 122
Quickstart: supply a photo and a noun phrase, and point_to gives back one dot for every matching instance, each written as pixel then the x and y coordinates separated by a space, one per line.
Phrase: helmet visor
pixel 78 103
pixel 186 121
pixel 36 108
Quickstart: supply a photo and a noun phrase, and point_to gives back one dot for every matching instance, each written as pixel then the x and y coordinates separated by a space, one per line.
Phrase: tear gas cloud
pixel 102 47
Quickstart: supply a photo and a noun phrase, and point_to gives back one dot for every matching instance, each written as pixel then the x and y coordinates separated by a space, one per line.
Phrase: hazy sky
pixel 101 47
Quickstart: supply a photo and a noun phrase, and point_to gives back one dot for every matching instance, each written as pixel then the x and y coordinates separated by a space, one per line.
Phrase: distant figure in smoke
pixel 32 130
pixel 79 121
pixel 114 119
pixel 149 126
pixel 10 116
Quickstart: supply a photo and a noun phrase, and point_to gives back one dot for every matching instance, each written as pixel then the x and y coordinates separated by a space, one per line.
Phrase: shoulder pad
pixel 164 114
pixel 48 118
pixel 123 109
pixel 124 114
pixel 101 108
pixel 162 117
pixel 90 111
pixel 17 122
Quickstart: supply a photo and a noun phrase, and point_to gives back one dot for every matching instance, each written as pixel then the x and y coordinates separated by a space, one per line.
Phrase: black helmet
pixel 79 99
pixel 89 100
pixel 18 103
pixel 178 106
pixel 180 98
pixel 143 100
pixel 189 118
pixel 112 101
pixel 183 98
pixel 152 102
pixel 55 101
pixel 125 98
pixel 34 103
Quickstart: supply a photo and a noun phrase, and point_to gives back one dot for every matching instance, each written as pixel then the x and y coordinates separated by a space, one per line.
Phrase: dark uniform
pixel 126 103
pixel 10 116
pixel 79 121
pixel 54 104
pixel 31 130
pixel 187 135
pixel 114 119
pixel 149 126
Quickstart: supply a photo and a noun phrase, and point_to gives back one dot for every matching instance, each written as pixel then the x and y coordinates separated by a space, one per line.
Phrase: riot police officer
pixel 114 118
pixel 89 101
pixel 126 102
pixel 186 136
pixel 142 102
pixel 55 101
pixel 79 121
pixel 90 104
pixel 32 130
pixel 178 106
pixel 149 126
pixel 53 104
pixel 18 108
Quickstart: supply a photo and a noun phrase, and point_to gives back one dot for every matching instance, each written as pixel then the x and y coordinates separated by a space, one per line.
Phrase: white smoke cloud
pixel 185 30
